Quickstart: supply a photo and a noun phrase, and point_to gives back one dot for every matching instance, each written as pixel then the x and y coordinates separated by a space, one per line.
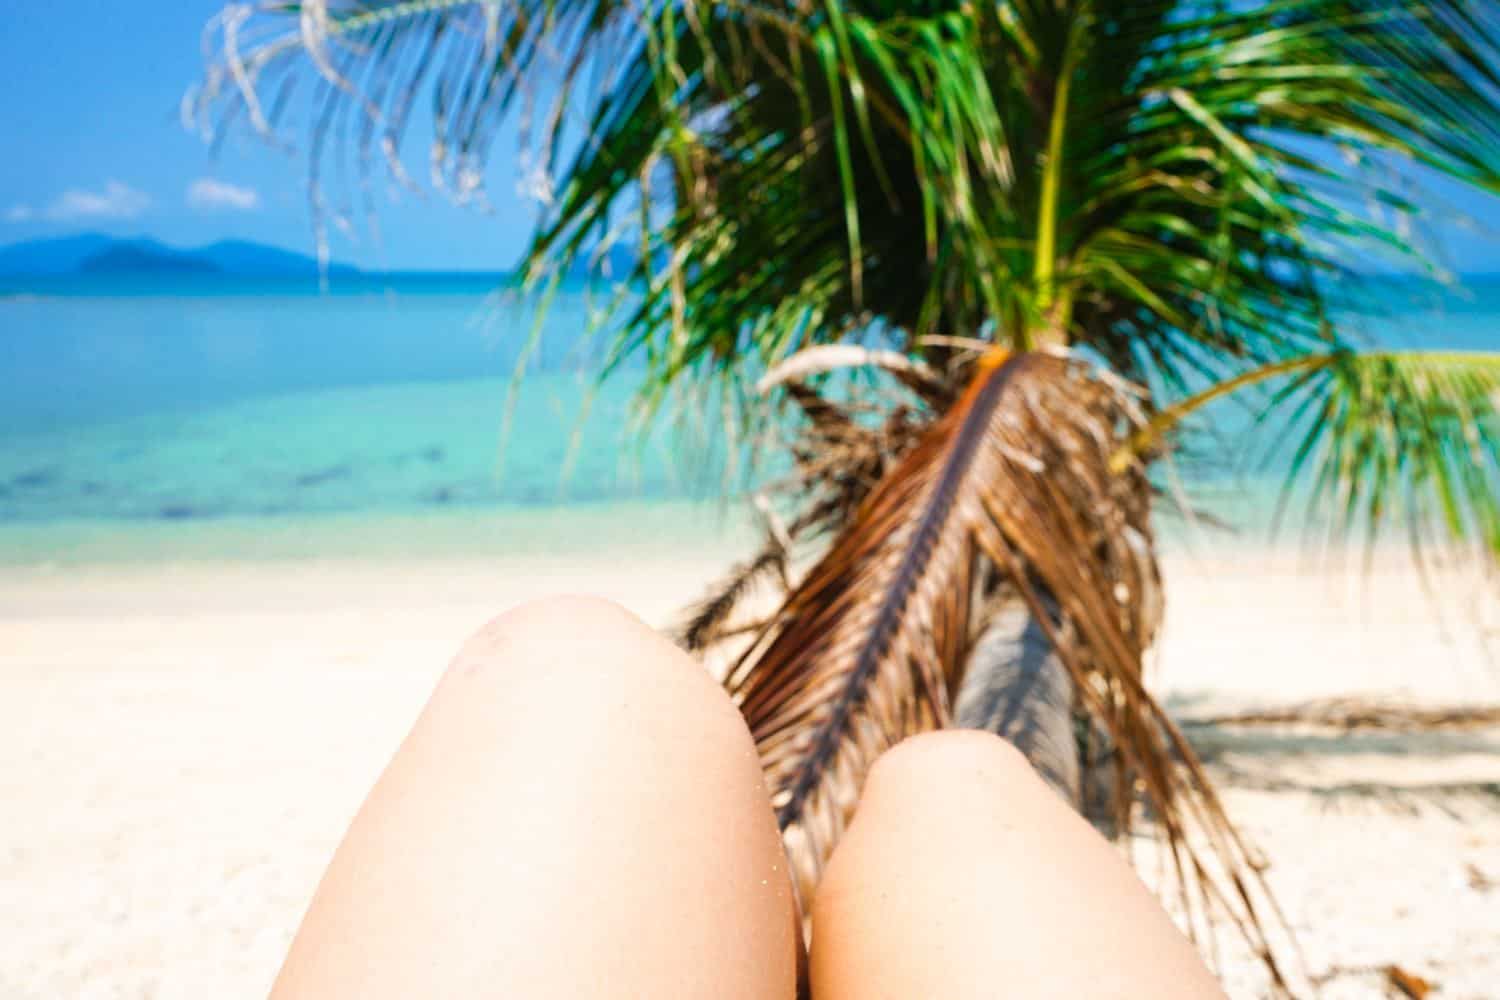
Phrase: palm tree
pixel 991 257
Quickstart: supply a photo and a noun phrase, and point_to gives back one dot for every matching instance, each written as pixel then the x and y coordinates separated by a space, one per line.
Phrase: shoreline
pixel 500 529
pixel 472 533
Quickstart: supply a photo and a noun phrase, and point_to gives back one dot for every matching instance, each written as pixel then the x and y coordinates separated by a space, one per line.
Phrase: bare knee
pixel 935 792
pixel 565 636
pixel 551 628
pixel 947 800
pixel 927 789
pixel 573 657
pixel 951 761
pixel 961 870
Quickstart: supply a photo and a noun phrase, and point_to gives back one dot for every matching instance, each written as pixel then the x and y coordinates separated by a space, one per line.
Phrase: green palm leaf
pixel 1149 180
pixel 1402 439
pixel 1379 440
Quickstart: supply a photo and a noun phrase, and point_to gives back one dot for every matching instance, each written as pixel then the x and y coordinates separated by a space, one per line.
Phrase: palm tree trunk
pixel 1017 687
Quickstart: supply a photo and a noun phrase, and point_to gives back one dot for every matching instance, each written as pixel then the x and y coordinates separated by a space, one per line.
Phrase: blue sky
pixel 93 142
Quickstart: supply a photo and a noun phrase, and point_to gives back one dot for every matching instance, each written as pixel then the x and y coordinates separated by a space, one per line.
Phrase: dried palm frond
pixel 870 648
pixel 705 623
pixel 912 373
pixel 836 462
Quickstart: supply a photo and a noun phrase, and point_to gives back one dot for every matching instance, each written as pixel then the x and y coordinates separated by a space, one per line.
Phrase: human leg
pixel 964 876
pixel 579 811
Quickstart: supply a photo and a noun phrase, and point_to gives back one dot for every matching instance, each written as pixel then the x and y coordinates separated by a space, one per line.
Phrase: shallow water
pixel 129 408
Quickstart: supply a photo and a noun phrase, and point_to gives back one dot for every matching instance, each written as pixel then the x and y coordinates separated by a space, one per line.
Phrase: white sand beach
pixel 183 741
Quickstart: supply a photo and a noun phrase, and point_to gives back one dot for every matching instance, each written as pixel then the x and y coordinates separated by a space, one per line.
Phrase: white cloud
pixel 19 213
pixel 207 193
pixel 116 201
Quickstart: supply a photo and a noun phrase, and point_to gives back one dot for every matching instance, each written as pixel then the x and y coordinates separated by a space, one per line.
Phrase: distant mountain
pixel 51 257
pixel 131 258
pixel 96 254
pixel 258 260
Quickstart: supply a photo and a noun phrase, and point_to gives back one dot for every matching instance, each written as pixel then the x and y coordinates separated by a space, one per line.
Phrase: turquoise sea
pixel 217 417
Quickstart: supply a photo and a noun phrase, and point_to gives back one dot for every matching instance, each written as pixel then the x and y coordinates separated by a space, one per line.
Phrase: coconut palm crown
pixel 1059 227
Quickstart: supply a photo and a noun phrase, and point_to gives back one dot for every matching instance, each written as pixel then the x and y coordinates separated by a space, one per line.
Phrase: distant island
pixel 95 259
pixel 145 260
pixel 94 254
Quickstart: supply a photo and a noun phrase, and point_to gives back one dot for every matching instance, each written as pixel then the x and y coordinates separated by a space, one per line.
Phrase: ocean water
pixel 127 405
pixel 131 413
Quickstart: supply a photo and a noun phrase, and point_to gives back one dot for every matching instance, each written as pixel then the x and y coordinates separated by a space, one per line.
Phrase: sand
pixel 182 744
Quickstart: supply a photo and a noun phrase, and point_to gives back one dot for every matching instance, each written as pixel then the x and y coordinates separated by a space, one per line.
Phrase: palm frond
pixel 1380 439
pixel 1152 179
pixel 339 81
pixel 1400 439
pixel 705 623
pixel 869 648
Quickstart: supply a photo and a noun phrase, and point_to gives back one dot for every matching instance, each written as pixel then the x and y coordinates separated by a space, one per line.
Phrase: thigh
pixel 964 876
pixel 579 811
